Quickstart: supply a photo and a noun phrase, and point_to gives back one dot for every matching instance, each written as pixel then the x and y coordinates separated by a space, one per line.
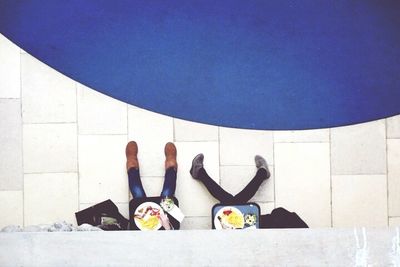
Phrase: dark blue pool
pixel 248 64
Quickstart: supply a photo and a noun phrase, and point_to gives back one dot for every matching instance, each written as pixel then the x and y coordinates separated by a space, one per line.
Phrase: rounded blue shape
pixel 248 64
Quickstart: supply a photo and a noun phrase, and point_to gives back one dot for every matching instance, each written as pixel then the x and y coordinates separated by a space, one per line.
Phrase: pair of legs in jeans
pixel 132 167
pixel 279 218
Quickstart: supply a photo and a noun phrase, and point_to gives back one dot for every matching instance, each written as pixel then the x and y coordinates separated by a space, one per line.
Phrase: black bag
pixel 104 215
pixel 281 218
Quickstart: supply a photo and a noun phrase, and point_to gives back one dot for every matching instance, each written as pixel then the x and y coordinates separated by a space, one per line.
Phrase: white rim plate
pixel 144 205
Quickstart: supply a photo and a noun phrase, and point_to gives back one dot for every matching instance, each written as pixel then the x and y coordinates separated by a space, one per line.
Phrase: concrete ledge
pixel 315 247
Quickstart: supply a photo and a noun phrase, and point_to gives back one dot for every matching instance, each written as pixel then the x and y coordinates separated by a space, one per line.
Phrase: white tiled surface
pixel 192 131
pixel 50 148
pixel 47 95
pixel 102 170
pixel 10 75
pixel 70 147
pixel 393 127
pixel 393 164
pixel 359 149
pixel 152 185
pixel 194 199
pixel 151 131
pixel 359 200
pixel 11 145
pixel 11 208
pixel 305 136
pixel 235 178
pixel 302 181
pixel 100 114
pixel 238 147
pixel 267 207
pixel 50 197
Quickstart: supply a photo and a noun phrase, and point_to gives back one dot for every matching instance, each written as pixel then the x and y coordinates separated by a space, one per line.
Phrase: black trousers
pixel 279 218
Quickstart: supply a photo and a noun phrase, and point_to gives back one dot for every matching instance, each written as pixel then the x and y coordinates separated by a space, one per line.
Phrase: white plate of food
pixel 147 216
pixel 229 218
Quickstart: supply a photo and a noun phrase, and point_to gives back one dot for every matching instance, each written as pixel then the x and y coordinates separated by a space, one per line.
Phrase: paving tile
pixel 393 127
pixel 9 69
pixel 11 173
pixel 359 149
pixel 193 131
pixel 193 197
pixel 238 147
pixel 100 114
pixel 196 223
pixel 151 131
pixel 47 95
pixel 393 159
pixel 394 221
pixel 152 185
pixel 302 181
pixel 50 197
pixel 305 136
pixel 102 168
pixel 359 200
pixel 50 147
pixel 235 178
pixel 266 207
pixel 12 208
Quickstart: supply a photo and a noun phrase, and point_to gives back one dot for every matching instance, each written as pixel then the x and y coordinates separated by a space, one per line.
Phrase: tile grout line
pixel 330 175
pixel 11 98
pixel 52 172
pixel 103 134
pixel 47 123
pixel 22 139
pixel 387 174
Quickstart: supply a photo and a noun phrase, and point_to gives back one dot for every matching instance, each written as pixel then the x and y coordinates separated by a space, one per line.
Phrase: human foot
pixel 131 152
pixel 197 164
pixel 170 156
pixel 261 163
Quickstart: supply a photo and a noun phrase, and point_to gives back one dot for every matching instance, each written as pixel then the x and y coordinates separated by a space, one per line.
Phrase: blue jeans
pixel 136 187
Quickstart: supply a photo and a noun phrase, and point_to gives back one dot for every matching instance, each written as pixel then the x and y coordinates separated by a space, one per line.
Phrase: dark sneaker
pixel 262 163
pixel 197 164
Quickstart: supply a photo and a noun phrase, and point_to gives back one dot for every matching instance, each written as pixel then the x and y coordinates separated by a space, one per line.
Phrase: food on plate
pixel 224 225
pixel 149 224
pixel 250 219
pixel 231 219
pixel 148 217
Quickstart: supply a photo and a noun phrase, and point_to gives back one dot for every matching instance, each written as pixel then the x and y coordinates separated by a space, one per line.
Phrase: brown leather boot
pixel 131 152
pixel 170 156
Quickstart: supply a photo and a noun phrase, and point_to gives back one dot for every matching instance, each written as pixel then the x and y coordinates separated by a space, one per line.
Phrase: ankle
pixel 263 173
pixel 171 164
